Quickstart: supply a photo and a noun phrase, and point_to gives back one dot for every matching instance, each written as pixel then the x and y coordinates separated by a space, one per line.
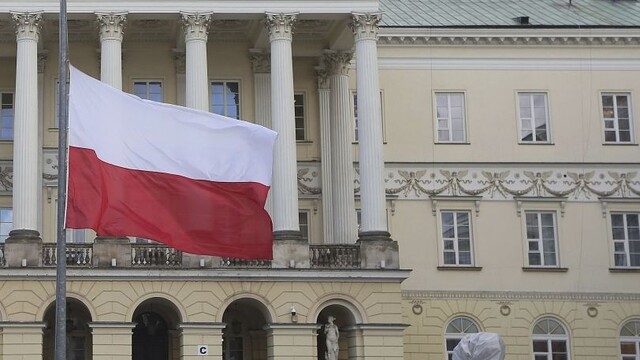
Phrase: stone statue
pixel 331 334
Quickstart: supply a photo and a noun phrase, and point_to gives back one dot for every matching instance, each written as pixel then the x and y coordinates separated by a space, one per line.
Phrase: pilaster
pixel 292 341
pixel 111 34
pixel 22 340
pixel 284 188
pixel 112 340
pixel 196 31
pixel 194 334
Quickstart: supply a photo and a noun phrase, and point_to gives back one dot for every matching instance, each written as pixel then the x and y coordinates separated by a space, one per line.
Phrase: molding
pixel 22 325
pixel 624 270
pixel 518 295
pixel 544 269
pixel 111 325
pixel 509 36
pixel 460 268
pixel 532 64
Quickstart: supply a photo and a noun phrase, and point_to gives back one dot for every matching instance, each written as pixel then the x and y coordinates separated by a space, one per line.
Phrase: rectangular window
pixel 541 239
pixel 303 220
pixel 534 118
pixel 456 237
pixel 299 111
pixel 225 98
pixel 6 128
pixel 354 98
pixel 6 223
pixel 450 117
pixel 148 90
pixel 626 239
pixel 616 114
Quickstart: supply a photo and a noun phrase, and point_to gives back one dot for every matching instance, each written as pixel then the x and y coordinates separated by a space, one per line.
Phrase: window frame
pixel 147 81
pixel 540 240
pixel 455 239
pixel 457 336
pixel 13 107
pixel 549 338
pixel 465 117
pixel 305 127
pixel 625 241
pixel 635 340
pixel 616 119
pixel 307 212
pixel 225 105
pixel 547 106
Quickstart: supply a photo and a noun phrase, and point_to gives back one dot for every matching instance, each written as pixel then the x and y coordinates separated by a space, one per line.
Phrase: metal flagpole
pixel 63 116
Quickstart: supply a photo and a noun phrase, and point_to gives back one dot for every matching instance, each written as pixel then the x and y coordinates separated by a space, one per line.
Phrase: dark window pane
pixel 540 346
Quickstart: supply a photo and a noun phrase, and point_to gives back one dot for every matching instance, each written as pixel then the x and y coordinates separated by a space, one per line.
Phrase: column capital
pixel 337 62
pixel 322 76
pixel 111 25
pixel 260 61
pixel 196 25
pixel 280 25
pixel 42 60
pixel 365 26
pixel 180 61
pixel 28 25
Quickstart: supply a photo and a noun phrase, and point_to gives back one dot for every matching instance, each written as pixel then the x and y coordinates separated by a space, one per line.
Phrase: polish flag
pixel 193 180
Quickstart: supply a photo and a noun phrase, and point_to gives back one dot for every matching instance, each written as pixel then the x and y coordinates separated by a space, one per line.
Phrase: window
pixel 354 96
pixel 541 238
pixel 75 236
pixel 456 237
pixel 149 90
pixel 550 340
pixel 450 117
pixel 6 128
pixel 303 221
pixel 6 223
pixel 616 114
pixel 630 340
pixel 626 239
pixel 534 118
pixel 225 98
pixel 299 111
pixel 456 330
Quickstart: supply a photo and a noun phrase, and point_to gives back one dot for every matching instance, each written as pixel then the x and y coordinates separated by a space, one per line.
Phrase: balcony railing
pixel 244 263
pixel 80 255
pixel 335 256
pixel 151 255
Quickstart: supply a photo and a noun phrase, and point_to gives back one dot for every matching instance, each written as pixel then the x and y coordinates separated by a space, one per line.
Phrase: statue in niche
pixel 331 334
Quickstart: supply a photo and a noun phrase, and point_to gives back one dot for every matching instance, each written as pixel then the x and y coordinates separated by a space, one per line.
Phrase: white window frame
pixel 456 238
pixel 625 242
pixel 3 211
pixel 615 119
pixel 306 236
pixel 13 106
pixel 305 136
pixel 465 132
pixel 457 336
pixel 147 82
pixel 532 119
pixel 634 340
pixel 539 241
pixel 549 338
pixel 354 114
pixel 225 105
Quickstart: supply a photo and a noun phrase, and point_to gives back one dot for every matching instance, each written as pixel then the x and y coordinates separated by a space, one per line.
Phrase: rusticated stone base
pixel 107 248
pixel 23 244
pixel 290 250
pixel 378 251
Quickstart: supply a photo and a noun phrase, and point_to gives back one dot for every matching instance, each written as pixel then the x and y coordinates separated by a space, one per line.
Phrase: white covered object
pixel 480 346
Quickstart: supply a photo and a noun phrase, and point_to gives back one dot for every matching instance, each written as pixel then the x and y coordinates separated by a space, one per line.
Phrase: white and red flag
pixel 193 180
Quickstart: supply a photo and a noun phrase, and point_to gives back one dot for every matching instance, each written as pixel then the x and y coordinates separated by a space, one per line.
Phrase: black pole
pixel 63 116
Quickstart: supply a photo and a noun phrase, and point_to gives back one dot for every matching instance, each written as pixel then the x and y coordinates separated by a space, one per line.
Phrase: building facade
pixel 441 168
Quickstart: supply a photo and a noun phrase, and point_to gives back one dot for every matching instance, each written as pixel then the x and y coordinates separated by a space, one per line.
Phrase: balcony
pixel 121 253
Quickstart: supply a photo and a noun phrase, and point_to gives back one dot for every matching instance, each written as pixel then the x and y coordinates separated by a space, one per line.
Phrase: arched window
pixel 550 340
pixel 630 340
pixel 456 330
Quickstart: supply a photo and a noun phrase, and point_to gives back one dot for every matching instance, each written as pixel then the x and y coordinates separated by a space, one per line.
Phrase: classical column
pixel 325 153
pixel 344 209
pixel 285 188
pixel 180 61
pixel 111 33
pixel 196 30
pixel 373 223
pixel 111 340
pixel 25 134
pixel 261 63
pixel 194 334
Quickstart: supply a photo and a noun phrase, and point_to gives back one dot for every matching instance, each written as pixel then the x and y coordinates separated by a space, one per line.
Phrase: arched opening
pixel 155 336
pixel 244 337
pixel 79 344
pixel 344 321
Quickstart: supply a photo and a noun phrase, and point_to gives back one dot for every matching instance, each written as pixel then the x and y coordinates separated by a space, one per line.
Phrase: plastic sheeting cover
pixel 480 346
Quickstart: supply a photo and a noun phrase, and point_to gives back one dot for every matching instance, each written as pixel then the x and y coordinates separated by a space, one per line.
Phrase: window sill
pixel 544 269
pixel 460 268
pixel 536 143
pixel 356 143
pixel 452 143
pixel 620 144
pixel 625 270
pixel 304 142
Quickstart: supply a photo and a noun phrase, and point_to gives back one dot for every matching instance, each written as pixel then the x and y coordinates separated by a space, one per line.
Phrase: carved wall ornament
pixel 180 61
pixel 6 178
pixel 306 176
pixel 322 77
pixel 111 25
pixel 260 61
pixel 42 60
pixel 592 309
pixel 365 26
pixel 196 25
pixel 28 25
pixel 280 26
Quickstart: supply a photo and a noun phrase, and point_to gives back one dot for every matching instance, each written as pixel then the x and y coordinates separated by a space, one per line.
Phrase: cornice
pixel 509 37
pixel 518 295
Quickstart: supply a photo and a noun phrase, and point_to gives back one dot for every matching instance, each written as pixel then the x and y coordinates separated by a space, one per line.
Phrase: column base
pixel 23 248
pixel 287 235
pixel 374 236
pixel 107 248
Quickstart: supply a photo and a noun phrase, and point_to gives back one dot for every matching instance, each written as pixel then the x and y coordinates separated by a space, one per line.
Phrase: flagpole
pixel 63 116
